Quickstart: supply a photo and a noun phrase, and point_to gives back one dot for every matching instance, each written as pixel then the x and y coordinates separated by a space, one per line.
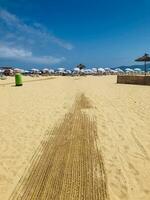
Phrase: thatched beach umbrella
pixel 145 58
pixel 81 66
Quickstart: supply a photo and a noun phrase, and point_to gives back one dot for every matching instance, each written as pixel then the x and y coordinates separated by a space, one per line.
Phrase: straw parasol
pixel 81 66
pixel 145 58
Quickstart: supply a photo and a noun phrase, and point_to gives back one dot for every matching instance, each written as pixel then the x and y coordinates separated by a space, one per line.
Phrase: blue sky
pixel 68 32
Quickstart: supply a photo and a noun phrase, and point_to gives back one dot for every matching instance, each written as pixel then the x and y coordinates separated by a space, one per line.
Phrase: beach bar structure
pixel 145 58
pixel 133 79
pixel 136 79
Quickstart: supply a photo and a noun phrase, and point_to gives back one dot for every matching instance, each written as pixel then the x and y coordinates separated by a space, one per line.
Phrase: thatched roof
pixel 146 57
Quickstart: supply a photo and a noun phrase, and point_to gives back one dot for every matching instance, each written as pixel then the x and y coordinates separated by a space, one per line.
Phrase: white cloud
pixel 19 41
pixel 35 32
pixel 7 52
pixel 8 17
pixel 45 60
pixel 27 56
pixel 61 43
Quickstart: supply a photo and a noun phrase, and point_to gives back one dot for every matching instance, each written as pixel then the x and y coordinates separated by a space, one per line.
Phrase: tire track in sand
pixel 68 166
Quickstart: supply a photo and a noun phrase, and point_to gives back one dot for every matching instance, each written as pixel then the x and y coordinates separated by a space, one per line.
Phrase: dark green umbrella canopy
pixel 145 58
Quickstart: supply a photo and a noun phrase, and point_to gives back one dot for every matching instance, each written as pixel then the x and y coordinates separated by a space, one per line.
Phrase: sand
pixel 92 135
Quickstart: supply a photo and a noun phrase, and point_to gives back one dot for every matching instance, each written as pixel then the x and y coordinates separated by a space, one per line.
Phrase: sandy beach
pixel 74 138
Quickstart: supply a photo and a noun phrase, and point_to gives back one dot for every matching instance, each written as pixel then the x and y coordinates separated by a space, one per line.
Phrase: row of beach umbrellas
pixel 88 70
pixel 94 70
pixel 77 70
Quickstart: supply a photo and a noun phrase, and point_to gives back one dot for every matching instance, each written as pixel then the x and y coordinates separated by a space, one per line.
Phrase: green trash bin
pixel 18 79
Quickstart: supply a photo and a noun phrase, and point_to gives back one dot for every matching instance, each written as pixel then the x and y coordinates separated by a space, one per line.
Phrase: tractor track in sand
pixel 69 165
